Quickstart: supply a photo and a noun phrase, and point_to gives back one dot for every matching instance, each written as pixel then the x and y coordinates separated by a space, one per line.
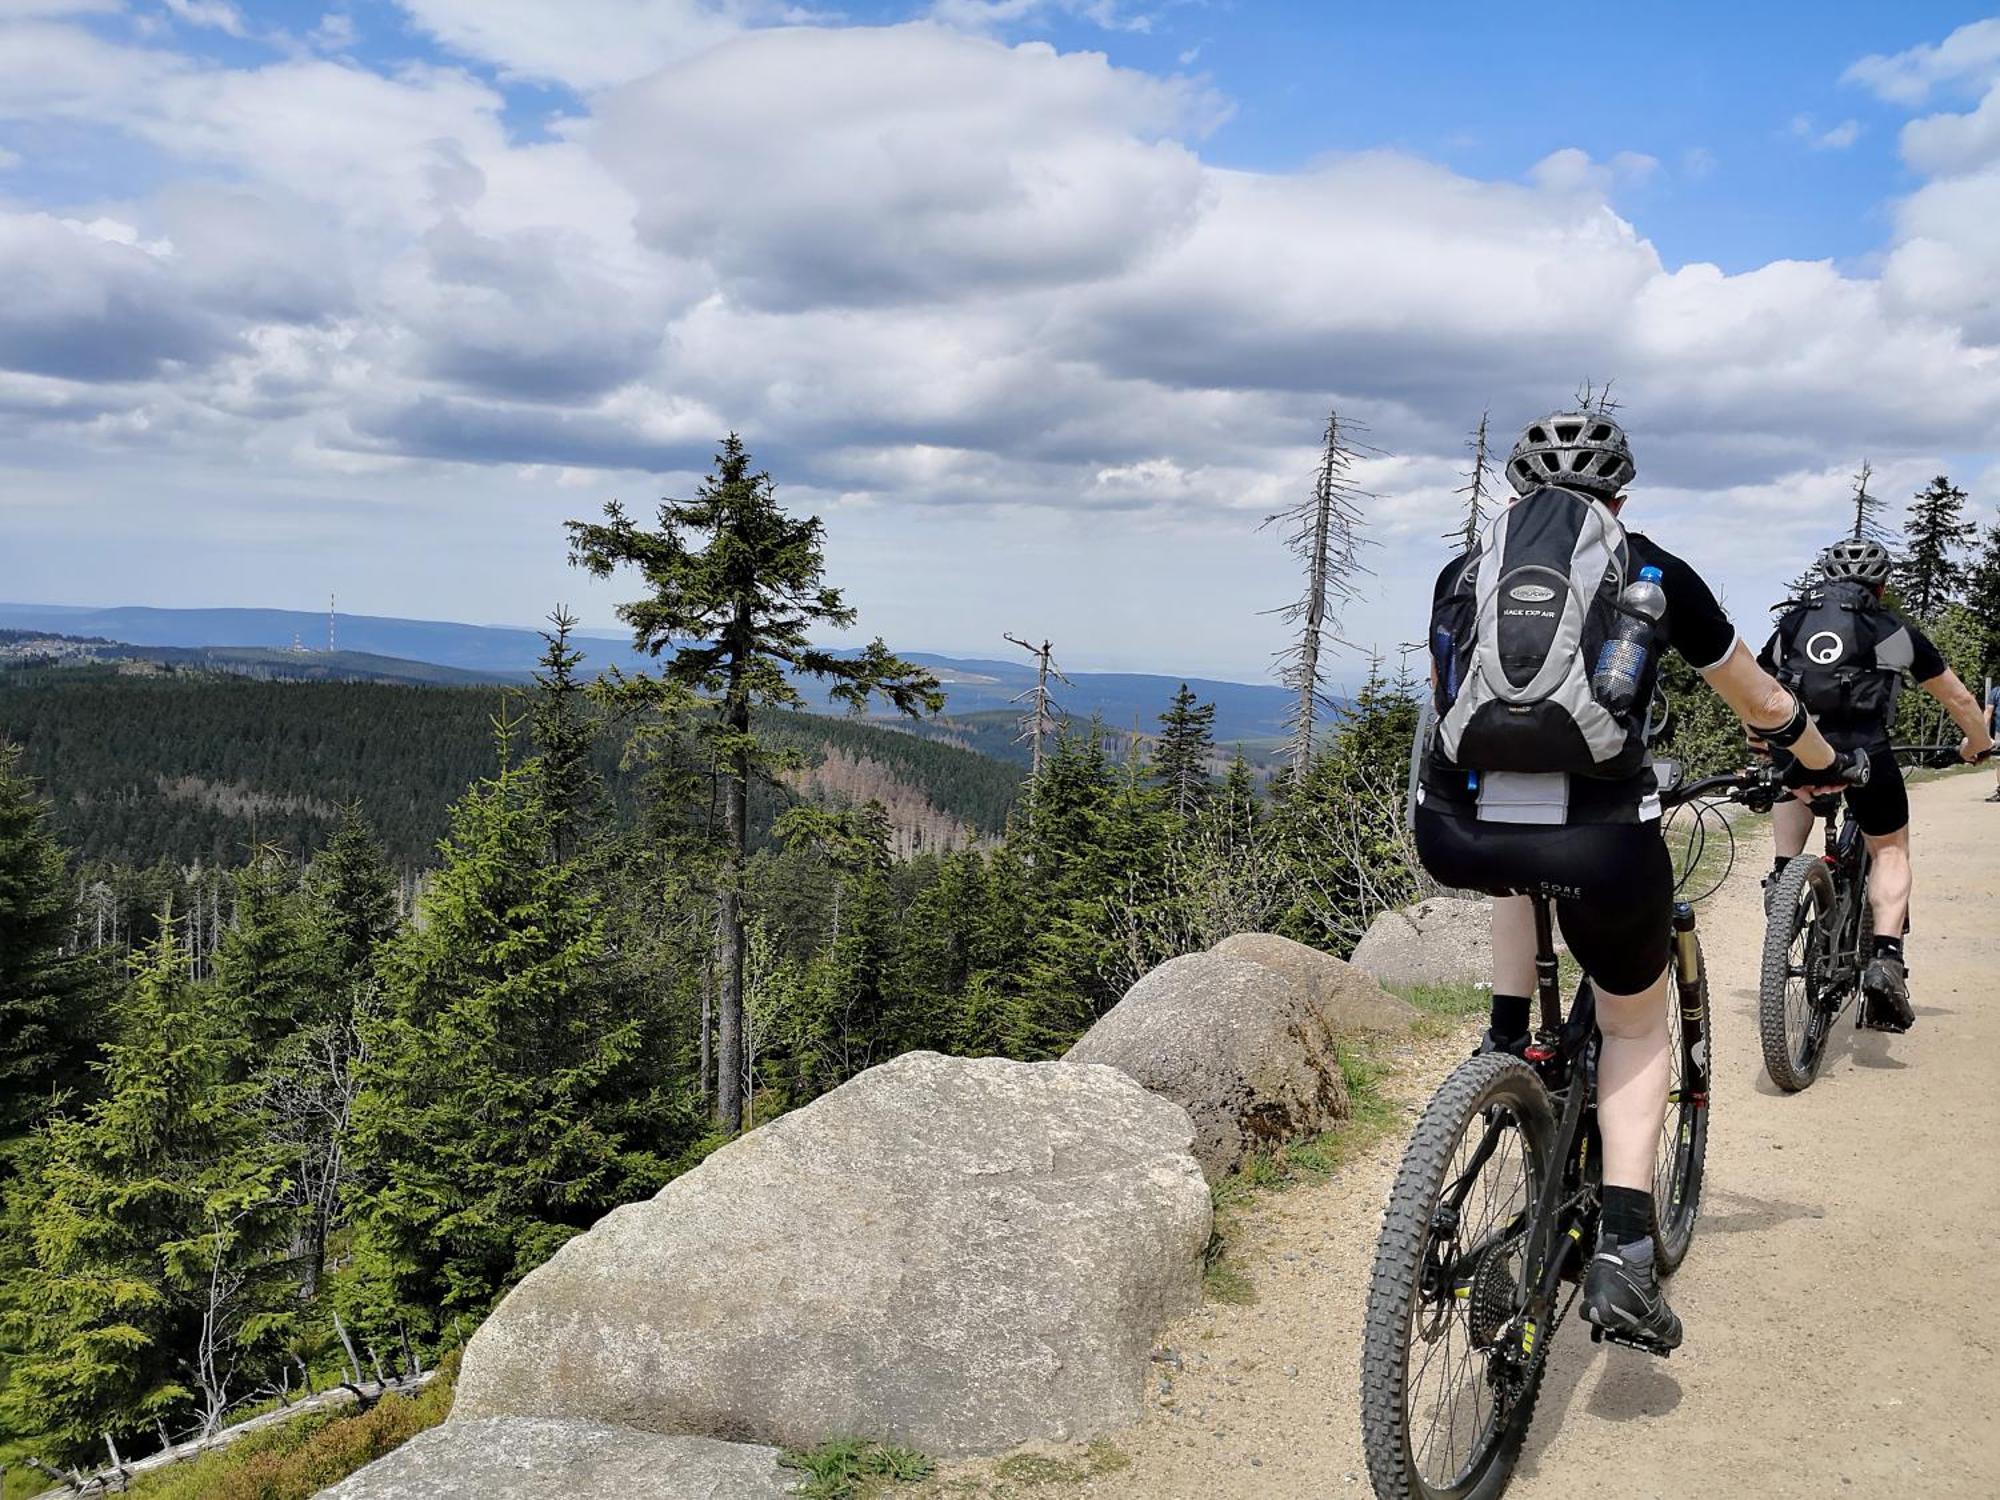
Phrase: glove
pixel 1849 766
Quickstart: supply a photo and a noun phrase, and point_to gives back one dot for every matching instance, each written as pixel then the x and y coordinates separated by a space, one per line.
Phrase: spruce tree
pixel 1930 573
pixel 510 1097
pixel 1869 509
pixel 51 999
pixel 1181 754
pixel 351 899
pixel 1982 601
pixel 564 735
pixel 736 587
pixel 148 1280
pixel 267 969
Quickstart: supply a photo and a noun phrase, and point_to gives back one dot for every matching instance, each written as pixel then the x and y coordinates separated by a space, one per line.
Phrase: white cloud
pixel 218 15
pixel 9 159
pixel 1970 54
pixel 586 44
pixel 1838 138
pixel 923 271
pixel 997 15
pixel 1572 171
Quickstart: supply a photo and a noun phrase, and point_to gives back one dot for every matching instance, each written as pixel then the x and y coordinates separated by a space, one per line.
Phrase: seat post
pixel 1547 983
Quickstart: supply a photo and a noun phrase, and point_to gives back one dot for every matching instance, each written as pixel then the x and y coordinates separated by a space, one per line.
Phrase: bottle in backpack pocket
pixel 1621 664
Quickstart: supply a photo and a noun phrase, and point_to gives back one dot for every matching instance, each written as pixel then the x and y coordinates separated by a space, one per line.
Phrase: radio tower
pixel 329 624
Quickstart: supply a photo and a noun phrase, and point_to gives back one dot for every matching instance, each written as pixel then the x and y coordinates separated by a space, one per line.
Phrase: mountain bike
pixel 1494 1216
pixel 1817 938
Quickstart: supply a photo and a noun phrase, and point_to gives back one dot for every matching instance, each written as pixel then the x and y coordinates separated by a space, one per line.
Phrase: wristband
pixel 1788 733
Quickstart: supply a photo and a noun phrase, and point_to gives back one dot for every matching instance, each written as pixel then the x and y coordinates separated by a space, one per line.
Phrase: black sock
pixel 1778 864
pixel 1628 1218
pixel 1888 947
pixel 1510 1015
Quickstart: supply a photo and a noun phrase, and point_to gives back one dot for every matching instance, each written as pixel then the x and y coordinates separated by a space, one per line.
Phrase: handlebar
pixel 1757 789
pixel 1939 757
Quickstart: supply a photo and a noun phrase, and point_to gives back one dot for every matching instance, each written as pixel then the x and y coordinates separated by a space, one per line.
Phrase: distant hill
pixel 1245 712
pixel 194 766
pixel 289 664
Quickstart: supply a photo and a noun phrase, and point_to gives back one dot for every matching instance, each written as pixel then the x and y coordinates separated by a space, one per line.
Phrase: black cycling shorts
pixel 1612 883
pixel 1883 806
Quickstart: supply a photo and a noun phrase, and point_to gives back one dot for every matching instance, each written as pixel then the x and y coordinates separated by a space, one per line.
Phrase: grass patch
pixel 1224 1282
pixel 297 1459
pixel 1043 1468
pixel 1452 1001
pixel 855 1469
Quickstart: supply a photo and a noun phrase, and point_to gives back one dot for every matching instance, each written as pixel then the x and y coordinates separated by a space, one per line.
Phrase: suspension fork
pixel 1687 984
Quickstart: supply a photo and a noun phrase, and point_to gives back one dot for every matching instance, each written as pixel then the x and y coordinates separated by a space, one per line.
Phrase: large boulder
pixel 1347 998
pixel 955 1254
pixel 1445 940
pixel 1235 1043
pixel 517 1458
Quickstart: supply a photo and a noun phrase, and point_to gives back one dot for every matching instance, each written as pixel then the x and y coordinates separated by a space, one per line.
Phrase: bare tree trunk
pixel 729 1062
pixel 347 1343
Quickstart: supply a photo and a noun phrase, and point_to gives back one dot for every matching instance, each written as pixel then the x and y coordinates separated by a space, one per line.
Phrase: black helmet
pixel 1863 561
pixel 1580 450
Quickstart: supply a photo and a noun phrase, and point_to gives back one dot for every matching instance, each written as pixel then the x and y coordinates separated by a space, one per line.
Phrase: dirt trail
pixel 1839 1297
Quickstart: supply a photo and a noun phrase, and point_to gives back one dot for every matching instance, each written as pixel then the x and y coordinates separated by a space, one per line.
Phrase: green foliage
pixel 1701 733
pixel 1182 753
pixel 1930 574
pixel 189 768
pixel 507 1099
pixel 1982 601
pixel 50 996
pixel 297 1459
pixel 149 1219
pixel 853 1469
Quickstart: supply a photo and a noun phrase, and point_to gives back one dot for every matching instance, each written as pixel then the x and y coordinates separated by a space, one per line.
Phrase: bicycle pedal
pixel 1600 1336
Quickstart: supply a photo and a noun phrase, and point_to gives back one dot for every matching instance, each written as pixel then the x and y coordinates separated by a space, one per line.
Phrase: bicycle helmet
pixel 1863 561
pixel 1580 450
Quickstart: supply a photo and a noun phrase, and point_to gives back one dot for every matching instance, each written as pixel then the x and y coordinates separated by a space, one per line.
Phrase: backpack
pixel 1516 634
pixel 1826 645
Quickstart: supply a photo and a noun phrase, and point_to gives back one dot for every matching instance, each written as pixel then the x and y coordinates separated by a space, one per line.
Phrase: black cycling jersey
pixel 1695 625
pixel 1900 647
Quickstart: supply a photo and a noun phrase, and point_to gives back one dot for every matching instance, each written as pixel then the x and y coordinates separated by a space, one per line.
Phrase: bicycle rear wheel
pixel 1443 1409
pixel 1794 1010
pixel 1682 1157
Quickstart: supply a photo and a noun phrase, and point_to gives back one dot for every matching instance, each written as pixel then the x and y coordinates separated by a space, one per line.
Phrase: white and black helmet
pixel 1580 450
pixel 1863 561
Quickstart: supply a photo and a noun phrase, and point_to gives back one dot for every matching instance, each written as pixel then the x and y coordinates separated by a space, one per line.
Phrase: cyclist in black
pixel 1846 653
pixel 1591 842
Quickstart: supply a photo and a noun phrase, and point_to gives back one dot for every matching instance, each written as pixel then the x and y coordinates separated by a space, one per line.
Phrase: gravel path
pixel 1838 1300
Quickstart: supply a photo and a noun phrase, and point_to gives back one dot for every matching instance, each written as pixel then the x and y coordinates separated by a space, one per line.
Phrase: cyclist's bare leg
pixel 1632 1076
pixel 1791 826
pixel 1513 945
pixel 1889 881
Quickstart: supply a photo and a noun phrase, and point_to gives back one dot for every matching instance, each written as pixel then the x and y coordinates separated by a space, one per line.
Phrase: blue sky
pixel 1039 302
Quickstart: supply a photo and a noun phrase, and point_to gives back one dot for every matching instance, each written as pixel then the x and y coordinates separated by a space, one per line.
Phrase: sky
pixel 1040 304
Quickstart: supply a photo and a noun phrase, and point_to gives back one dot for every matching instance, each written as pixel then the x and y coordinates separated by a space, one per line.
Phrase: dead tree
pixel 1474 489
pixel 1868 509
pixel 1324 533
pixel 1596 398
pixel 1043 710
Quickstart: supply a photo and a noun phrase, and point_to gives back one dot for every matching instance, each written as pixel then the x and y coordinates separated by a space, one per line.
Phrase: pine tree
pixel 1982 601
pixel 737 585
pixel 1930 574
pixel 509 1097
pixel 1182 752
pixel 151 1219
pixel 50 998
pixel 268 971
pixel 564 735
pixel 351 898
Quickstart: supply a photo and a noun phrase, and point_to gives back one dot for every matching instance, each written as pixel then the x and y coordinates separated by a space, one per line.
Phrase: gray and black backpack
pixel 1827 654
pixel 1515 637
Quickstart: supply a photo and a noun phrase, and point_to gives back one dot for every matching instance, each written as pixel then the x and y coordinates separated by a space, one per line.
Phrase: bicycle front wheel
pixel 1794 1009
pixel 1444 1410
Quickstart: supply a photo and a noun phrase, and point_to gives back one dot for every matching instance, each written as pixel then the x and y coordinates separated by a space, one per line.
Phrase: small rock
pixel 1292 1371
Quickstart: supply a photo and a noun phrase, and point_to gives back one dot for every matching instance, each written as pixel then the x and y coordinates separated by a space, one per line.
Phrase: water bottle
pixel 1622 662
